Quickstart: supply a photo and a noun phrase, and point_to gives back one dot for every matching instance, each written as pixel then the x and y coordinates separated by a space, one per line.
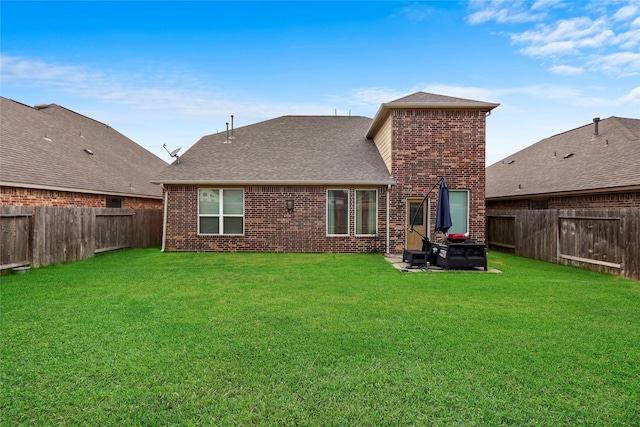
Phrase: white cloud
pixel 603 35
pixel 161 92
pixel 503 11
pixel 633 97
pixel 546 4
pixel 565 36
pixel 621 64
pixel 626 13
pixel 416 12
pixel 374 96
pixel 566 70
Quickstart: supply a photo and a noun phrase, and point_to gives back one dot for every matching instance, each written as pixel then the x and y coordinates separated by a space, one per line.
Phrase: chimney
pixel 595 121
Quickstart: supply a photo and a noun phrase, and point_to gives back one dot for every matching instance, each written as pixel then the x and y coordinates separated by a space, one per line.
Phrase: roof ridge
pixel 18 102
pixel 625 129
pixel 75 112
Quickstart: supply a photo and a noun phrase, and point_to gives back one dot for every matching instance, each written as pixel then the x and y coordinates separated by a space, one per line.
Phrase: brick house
pixel 593 166
pixel 329 183
pixel 52 156
pixel 572 198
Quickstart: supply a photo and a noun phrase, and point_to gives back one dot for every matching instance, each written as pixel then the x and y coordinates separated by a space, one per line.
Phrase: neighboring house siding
pixel 602 200
pixel 15 196
pixel 383 143
pixel 268 225
pixel 428 144
pixel 613 200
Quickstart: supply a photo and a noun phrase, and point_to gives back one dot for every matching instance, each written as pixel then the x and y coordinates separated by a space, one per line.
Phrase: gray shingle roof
pixel 45 148
pixel 424 100
pixel 572 161
pixel 285 150
pixel 432 100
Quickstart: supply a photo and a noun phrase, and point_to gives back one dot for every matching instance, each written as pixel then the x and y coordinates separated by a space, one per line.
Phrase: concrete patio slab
pixel 397 262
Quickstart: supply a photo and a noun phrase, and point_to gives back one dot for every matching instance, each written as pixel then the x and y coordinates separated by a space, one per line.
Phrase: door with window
pixel 418 216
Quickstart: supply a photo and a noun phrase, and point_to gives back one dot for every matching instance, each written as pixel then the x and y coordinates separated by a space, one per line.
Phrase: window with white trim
pixel 337 212
pixel 220 211
pixel 366 212
pixel 459 204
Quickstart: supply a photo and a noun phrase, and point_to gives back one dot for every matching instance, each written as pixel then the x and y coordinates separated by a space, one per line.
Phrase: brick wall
pixel 427 145
pixel 13 196
pixel 629 199
pixel 268 225
pixel 611 200
pixel 509 204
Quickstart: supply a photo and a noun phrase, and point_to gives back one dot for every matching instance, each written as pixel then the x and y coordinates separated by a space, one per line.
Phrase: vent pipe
pixel 595 121
pixel 227 131
pixel 232 126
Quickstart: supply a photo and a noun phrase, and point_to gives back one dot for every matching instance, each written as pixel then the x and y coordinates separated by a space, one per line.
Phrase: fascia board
pixel 75 190
pixel 622 189
pixel 274 182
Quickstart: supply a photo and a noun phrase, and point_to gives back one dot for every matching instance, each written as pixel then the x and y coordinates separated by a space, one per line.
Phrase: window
pixel 366 212
pixel 459 202
pixel 220 211
pixel 338 212
pixel 539 204
pixel 114 202
pixel 416 214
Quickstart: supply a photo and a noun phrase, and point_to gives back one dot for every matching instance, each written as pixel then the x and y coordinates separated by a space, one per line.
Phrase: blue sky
pixel 171 72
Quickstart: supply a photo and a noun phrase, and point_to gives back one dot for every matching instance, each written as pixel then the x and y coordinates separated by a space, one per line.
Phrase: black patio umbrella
pixel 443 209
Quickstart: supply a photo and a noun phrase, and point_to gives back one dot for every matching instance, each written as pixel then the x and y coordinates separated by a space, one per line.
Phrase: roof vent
pixel 40 106
pixel 595 121
pixel 89 152
pixel 510 162
pixel 566 156
pixel 227 141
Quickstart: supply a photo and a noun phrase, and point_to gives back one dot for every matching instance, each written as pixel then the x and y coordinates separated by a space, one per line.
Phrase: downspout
pixel 164 219
pixel 388 205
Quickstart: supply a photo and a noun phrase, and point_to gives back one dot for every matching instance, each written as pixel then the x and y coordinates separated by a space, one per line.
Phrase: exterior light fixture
pixel 290 204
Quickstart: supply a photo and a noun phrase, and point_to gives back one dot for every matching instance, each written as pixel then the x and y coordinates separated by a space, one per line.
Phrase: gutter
pixel 592 191
pixel 390 181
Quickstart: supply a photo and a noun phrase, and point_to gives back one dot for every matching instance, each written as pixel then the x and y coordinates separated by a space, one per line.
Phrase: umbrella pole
pixel 415 215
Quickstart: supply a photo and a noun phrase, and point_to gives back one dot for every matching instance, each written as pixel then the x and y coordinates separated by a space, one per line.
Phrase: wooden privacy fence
pixel 44 235
pixel 605 240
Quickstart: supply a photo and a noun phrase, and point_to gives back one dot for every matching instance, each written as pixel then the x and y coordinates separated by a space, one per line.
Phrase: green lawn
pixel 140 337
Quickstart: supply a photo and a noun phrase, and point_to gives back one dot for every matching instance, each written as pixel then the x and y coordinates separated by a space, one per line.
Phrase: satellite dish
pixel 174 153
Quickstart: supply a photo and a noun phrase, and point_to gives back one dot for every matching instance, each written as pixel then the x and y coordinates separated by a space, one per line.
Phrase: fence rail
pixel 44 235
pixel 605 240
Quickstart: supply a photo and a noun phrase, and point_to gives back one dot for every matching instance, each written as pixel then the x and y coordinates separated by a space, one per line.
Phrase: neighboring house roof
pixel 51 147
pixel 424 100
pixel 318 150
pixel 572 162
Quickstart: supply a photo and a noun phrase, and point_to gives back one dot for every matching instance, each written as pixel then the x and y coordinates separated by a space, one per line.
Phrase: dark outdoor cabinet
pixel 462 255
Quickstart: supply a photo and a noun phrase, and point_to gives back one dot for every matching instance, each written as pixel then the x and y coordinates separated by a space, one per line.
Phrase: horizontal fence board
pixel 590 261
